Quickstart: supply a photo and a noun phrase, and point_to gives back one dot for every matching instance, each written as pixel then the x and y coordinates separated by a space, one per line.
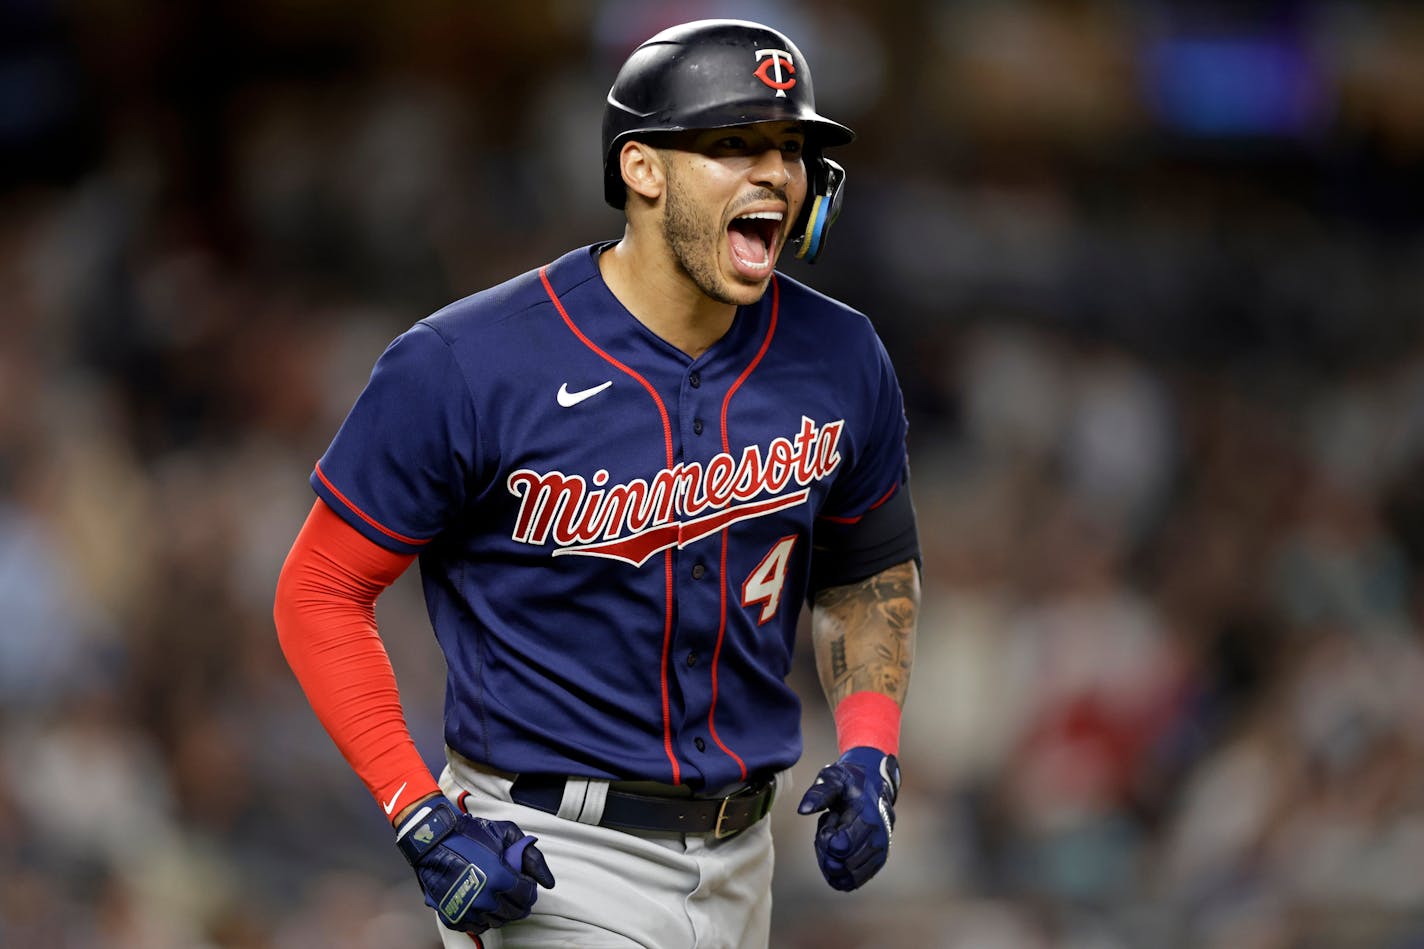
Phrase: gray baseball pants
pixel 620 890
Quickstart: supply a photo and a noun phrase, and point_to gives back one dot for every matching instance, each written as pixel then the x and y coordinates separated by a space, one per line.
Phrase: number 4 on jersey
pixel 767 579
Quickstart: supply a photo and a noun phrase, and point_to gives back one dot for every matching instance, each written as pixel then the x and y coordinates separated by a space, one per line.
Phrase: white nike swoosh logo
pixel 391 805
pixel 567 398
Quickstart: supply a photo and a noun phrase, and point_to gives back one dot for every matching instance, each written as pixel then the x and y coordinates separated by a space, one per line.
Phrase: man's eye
pixel 732 143
pixel 791 148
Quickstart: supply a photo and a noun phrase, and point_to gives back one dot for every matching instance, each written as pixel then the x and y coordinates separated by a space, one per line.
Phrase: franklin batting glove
pixel 858 794
pixel 476 874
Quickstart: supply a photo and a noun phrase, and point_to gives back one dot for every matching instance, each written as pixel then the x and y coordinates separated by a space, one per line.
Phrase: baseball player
pixel 622 473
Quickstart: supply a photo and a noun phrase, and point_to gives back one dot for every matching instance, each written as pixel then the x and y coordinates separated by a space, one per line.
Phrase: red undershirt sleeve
pixel 325 612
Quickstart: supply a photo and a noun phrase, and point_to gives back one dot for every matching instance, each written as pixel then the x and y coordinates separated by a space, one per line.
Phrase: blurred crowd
pixel 1153 276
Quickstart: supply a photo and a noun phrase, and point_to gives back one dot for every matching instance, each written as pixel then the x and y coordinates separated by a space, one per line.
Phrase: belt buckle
pixel 749 791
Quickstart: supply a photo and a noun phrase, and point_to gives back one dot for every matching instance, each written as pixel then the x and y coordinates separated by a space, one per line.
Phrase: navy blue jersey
pixel 614 537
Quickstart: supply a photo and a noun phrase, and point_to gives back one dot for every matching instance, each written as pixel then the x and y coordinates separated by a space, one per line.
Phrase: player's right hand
pixel 477 874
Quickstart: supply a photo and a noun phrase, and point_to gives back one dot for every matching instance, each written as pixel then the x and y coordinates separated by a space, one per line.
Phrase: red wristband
pixel 868 718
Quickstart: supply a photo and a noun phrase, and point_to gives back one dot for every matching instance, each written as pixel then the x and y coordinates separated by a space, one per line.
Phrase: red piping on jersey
pixel 667 558
pixel 726 447
pixel 364 516
pixel 855 520
pixel 716 659
pixel 765 345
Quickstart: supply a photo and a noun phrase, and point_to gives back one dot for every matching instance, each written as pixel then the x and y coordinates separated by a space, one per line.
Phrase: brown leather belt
pixel 651 813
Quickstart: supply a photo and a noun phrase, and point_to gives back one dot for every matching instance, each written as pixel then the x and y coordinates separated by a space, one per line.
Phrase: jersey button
pixel 701 745
pixel 697 426
pixel 692 659
pixel 695 380
pixel 698 571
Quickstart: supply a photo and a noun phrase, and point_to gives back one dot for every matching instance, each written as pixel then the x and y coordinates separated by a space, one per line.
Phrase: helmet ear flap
pixel 823 206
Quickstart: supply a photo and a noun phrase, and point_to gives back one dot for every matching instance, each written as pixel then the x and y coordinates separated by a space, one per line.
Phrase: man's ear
pixel 643 170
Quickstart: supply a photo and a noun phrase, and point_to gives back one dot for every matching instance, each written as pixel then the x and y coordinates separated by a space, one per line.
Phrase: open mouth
pixel 752 237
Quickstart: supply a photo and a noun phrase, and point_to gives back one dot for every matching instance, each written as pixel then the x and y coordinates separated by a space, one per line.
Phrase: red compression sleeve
pixel 325 612
pixel 868 718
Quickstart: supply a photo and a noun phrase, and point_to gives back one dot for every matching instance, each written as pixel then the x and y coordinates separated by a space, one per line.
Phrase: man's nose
pixel 771 169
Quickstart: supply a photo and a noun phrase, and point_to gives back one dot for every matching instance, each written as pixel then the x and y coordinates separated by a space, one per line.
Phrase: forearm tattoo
pixel 864 634
pixel 838 659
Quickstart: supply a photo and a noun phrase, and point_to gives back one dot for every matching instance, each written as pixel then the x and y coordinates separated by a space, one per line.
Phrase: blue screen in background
pixel 1247 85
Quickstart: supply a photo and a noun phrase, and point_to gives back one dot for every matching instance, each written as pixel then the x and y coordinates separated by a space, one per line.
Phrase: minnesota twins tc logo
pixel 778 59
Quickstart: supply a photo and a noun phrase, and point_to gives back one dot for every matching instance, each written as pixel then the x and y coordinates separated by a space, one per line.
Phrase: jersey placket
pixel 699 588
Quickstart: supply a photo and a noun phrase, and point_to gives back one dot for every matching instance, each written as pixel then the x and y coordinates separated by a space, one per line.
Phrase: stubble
pixel 694 243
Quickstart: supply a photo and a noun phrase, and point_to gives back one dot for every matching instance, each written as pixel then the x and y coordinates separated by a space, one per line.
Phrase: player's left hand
pixel 858 794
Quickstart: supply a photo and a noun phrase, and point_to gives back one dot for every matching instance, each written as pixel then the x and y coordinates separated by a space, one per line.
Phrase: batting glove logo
pixel 462 894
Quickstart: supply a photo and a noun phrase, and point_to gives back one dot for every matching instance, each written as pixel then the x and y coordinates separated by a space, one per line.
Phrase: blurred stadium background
pixel 1153 274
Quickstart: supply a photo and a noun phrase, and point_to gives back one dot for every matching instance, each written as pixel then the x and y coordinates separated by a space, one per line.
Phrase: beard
pixel 694 242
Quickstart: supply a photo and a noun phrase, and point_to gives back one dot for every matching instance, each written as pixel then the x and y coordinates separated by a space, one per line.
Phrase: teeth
pixel 760 216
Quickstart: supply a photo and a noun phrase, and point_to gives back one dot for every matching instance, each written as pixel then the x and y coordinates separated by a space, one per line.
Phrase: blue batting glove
pixel 477 874
pixel 857 793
